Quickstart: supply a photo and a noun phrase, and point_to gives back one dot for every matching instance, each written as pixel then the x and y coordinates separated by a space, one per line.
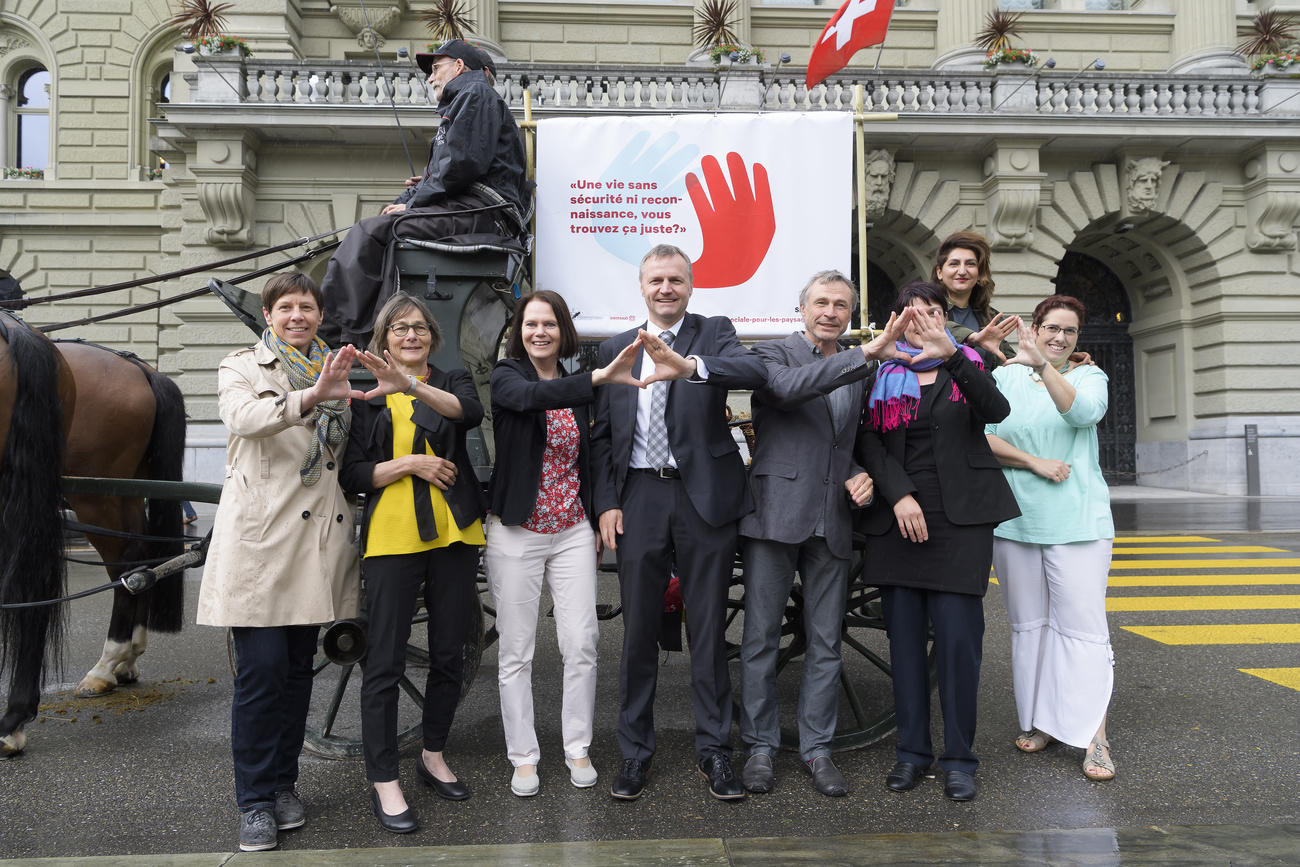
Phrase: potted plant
pixel 1269 37
pixel 1024 56
pixel 24 174
pixel 715 35
pixel 995 38
pixel 448 19
pixel 202 22
pixel 735 54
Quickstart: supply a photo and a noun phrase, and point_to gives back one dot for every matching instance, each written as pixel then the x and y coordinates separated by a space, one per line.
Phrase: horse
pixel 112 398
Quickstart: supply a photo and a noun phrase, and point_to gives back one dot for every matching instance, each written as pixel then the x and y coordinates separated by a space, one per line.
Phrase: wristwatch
pixel 410 389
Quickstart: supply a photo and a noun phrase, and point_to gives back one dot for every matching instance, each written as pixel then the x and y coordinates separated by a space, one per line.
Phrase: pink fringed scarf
pixel 896 393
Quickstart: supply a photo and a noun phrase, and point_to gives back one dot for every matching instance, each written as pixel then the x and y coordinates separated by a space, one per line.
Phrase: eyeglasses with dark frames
pixel 399 329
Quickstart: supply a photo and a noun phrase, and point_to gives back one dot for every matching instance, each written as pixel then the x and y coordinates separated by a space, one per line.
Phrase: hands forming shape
pixel 668 364
pixel 332 384
pixel 935 342
pixel 990 337
pixel 884 346
pixel 1028 352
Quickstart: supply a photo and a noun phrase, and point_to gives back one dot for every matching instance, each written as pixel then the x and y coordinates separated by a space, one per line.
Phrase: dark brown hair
pixel 1059 302
pixel 394 308
pixel 982 294
pixel 930 293
pixel 568 333
pixel 290 284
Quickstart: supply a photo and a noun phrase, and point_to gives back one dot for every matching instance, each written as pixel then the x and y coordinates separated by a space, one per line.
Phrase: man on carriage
pixel 474 190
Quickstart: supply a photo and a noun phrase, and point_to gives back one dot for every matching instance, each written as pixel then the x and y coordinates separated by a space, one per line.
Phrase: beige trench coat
pixel 281 552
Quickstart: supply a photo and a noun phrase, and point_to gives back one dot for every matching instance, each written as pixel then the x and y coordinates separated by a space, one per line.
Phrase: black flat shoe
pixel 827 778
pixel 723 785
pixel 456 791
pixel 904 776
pixel 630 782
pixel 959 785
pixel 402 823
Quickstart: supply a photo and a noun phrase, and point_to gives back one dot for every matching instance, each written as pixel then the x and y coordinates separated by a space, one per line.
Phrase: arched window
pixel 32 125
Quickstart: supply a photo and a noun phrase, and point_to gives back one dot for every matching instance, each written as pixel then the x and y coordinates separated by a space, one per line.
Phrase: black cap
pixel 457 49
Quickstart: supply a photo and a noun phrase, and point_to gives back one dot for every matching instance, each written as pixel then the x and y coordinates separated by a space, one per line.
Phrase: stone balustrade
pixel 562 88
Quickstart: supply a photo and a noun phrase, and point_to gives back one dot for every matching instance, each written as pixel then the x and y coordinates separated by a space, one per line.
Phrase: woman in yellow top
pixel 422 526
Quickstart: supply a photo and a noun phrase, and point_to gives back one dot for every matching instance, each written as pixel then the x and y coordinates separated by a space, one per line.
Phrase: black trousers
pixel 661 528
pixel 958 620
pixel 269 713
pixel 448 576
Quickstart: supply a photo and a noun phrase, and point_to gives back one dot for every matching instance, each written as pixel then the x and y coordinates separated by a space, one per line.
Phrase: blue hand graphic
pixel 636 162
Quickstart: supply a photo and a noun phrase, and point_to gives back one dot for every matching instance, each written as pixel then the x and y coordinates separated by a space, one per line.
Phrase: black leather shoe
pixel 402 823
pixel 630 782
pixel 723 785
pixel 904 776
pixel 827 778
pixel 456 791
pixel 758 775
pixel 959 785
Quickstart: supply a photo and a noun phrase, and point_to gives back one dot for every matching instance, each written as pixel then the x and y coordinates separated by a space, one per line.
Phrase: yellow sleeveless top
pixel 393 529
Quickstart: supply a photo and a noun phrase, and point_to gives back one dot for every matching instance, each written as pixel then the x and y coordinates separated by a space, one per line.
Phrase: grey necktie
pixel 656 442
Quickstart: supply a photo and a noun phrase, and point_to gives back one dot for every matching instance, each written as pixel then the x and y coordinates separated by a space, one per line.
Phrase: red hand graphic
pixel 737 228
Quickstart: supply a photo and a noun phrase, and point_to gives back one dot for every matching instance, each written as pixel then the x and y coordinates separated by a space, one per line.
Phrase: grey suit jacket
pixel 801 461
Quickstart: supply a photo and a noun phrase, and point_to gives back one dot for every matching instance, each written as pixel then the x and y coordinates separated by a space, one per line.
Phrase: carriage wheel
pixel 334 720
pixel 866 688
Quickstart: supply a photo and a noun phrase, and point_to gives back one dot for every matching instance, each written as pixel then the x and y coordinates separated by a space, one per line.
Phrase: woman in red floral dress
pixel 542 528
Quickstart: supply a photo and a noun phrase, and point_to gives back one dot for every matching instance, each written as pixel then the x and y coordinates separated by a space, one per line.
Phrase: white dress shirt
pixel 643 399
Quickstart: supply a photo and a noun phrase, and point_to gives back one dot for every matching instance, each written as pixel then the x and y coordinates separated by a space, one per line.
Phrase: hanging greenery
pixel 199 18
pixel 998 31
pixel 449 19
pixel 714 20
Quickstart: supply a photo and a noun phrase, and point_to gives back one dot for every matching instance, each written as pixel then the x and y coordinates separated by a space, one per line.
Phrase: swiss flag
pixel 858 24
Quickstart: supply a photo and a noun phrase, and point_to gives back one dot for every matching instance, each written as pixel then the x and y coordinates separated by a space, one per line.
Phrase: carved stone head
pixel 880 180
pixel 1143 176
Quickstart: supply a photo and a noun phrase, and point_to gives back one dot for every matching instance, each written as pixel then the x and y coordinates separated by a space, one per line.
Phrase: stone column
pixel 487 26
pixel 1204 36
pixel 6 96
pixel 955 29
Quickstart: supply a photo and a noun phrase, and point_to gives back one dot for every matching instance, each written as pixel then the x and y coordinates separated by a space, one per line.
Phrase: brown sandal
pixel 1033 741
pixel 1098 765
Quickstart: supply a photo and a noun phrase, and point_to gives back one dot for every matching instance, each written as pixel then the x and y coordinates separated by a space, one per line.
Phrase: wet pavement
pixel 1203 727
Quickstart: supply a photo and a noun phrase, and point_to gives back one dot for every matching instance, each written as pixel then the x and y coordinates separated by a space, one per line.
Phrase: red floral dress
pixel 558 506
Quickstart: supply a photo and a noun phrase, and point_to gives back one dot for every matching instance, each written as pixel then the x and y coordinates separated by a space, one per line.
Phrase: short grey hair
pixel 830 276
pixel 665 251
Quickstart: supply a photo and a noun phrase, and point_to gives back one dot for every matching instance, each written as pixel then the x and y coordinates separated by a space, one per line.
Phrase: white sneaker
pixel 583 778
pixel 525 787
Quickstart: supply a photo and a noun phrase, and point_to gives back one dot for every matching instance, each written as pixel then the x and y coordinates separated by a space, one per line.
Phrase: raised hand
pixel 390 379
pixel 990 337
pixel 668 364
pixel 619 371
pixel 1028 353
pixel 884 346
pixel 737 222
pixel 658 164
pixel 332 384
pixel 934 337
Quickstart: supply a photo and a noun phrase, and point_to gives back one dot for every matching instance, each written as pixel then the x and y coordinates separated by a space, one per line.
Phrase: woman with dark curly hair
pixel 963 267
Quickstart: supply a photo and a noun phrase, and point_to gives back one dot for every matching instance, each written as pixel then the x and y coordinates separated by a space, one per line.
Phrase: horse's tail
pixel 31 532
pixel 164 456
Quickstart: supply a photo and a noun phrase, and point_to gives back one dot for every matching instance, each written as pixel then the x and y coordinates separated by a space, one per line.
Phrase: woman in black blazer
pixel 940 492
pixel 542 527
pixel 421 527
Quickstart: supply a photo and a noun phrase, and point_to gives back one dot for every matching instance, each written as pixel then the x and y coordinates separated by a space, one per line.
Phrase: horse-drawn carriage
pixel 130 506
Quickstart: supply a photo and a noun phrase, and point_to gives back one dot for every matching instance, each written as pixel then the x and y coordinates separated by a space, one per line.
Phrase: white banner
pixel 759 202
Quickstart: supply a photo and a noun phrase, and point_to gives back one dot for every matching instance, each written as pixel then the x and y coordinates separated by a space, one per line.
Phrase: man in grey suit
pixel 805 484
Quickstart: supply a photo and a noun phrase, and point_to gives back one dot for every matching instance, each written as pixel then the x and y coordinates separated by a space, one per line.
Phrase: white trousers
pixel 1061 659
pixel 518 561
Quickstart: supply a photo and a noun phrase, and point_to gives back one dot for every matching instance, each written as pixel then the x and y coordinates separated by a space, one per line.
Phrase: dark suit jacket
pixel 519 402
pixel 707 456
pixel 801 460
pixel 970 477
pixel 370 441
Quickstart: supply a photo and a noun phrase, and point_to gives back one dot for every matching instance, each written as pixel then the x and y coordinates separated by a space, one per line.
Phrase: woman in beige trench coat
pixel 281 560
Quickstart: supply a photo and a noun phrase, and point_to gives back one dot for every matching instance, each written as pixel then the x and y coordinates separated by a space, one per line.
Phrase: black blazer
pixel 370 441
pixel 707 456
pixel 970 477
pixel 520 399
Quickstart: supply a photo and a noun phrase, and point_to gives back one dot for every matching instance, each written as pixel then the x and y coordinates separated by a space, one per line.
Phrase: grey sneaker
pixel 257 831
pixel 289 813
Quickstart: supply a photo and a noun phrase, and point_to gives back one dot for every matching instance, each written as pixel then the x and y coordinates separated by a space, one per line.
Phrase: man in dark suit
pixel 805 484
pixel 669 489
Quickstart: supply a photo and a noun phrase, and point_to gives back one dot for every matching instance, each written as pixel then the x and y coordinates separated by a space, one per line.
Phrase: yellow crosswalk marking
pixel 1288 677
pixel 1225 563
pixel 1204 549
pixel 1201 603
pixel 1138 540
pixel 1202 580
pixel 1237 633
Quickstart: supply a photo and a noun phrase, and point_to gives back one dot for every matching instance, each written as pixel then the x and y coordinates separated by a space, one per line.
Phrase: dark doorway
pixel 1105 336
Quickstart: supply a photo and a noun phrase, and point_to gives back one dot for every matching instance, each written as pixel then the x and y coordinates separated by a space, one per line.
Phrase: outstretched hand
pixel 884 346
pixel 668 364
pixel 1028 354
pixel 619 370
pixel 934 337
pixel 332 384
pixel 990 337
pixel 737 221
pixel 390 379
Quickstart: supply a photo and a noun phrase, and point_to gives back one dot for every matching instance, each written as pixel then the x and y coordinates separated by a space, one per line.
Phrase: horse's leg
pixel 24 682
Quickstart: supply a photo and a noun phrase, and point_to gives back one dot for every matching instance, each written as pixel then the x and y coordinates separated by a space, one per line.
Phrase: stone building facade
pixel 1164 188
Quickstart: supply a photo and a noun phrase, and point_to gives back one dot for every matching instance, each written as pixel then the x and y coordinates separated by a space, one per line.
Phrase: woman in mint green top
pixel 1053 561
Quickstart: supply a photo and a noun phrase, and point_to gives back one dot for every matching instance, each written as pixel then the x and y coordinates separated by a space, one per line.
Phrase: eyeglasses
pixel 1053 330
pixel 399 329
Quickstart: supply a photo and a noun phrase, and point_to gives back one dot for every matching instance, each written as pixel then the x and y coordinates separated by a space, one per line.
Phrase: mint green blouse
pixel 1055 513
